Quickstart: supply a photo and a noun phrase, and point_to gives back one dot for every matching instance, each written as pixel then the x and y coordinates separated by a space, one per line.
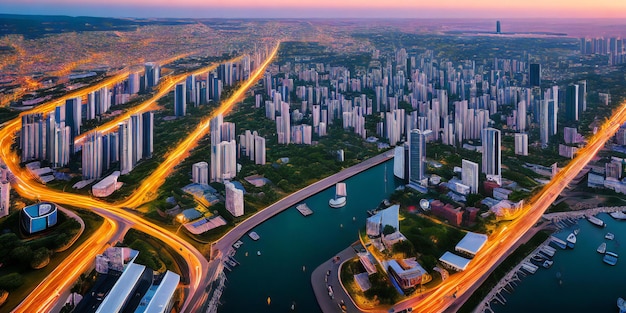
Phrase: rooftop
pixel 471 243
pixel 454 261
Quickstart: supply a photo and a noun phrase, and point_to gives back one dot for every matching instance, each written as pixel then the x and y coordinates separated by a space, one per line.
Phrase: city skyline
pixel 321 9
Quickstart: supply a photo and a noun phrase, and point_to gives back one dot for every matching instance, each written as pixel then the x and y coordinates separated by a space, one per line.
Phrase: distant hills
pixel 34 26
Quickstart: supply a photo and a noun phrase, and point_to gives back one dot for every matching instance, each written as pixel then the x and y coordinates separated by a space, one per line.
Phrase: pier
pixel 510 280
pixel 304 209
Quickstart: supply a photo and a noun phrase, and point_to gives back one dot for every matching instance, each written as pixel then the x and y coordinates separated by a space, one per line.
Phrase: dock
pixel 304 209
pixel 548 251
pixel 529 267
pixel 559 242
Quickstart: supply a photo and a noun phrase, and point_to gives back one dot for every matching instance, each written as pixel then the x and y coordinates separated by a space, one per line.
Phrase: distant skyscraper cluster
pixel 614 47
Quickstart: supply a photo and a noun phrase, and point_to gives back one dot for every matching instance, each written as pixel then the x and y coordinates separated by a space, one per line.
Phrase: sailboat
pixel 340 196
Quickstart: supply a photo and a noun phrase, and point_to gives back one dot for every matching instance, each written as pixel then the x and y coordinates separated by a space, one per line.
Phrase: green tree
pixel 22 255
pixel 11 281
pixel 41 258
pixel 388 230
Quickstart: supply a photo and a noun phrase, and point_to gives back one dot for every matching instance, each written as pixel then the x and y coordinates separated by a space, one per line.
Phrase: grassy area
pixel 510 262
pixel 153 253
pixel 34 277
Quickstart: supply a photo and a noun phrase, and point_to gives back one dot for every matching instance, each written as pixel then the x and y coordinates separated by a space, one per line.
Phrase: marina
pixel 304 209
pixel 579 275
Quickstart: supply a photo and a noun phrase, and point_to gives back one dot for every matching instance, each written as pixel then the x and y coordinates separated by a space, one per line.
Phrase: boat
pixel 571 240
pixel 601 248
pixel 619 215
pixel 269 300
pixel 340 196
pixel 596 221
pixel 576 231
pixel 237 244
pixel 609 236
pixel 304 209
pixel 258 252
pixel 610 258
pixel 293 305
pixel 621 305
pixel 254 235
pixel 330 292
pixel 537 258
pixel 547 263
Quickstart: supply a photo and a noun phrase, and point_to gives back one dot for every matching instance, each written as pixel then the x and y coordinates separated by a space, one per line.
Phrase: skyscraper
pixel 535 75
pixel 417 156
pixel 234 200
pixel 498 29
pixel 223 161
pixel 492 158
pixel 469 175
pixel 572 107
pixel 180 100
pixel 152 75
pixel 200 173
pixel 582 96
pixel 148 134
pixel 5 197
pixel 521 144
pixel 92 159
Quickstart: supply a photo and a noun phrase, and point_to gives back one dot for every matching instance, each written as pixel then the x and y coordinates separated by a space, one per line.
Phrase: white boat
pixel 602 248
pixel 254 236
pixel 258 252
pixel 237 244
pixel 621 305
pixel 618 215
pixel 547 263
pixel 609 236
pixel 340 196
pixel 571 240
pixel 596 221
pixel 610 258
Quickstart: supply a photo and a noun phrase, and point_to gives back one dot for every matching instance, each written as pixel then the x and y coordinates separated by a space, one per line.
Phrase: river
pixel 290 241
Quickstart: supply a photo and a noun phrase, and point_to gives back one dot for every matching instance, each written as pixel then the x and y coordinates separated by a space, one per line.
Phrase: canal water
pixel 290 241
pixel 588 284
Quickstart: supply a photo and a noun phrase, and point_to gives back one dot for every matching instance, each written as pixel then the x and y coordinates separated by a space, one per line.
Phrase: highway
pixel 63 277
pixel 502 241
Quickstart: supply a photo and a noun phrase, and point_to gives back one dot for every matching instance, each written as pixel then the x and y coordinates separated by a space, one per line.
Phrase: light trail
pixel 165 86
pixel 25 185
pixel 500 242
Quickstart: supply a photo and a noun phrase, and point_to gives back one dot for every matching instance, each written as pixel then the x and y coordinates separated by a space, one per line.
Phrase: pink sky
pixel 388 8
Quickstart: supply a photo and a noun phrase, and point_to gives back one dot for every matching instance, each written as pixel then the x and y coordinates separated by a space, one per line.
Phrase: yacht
pixel 571 240
pixel 609 236
pixel 340 196
pixel 618 215
pixel 596 221
pixel 610 258
pixel 602 248
pixel 547 263
pixel 254 235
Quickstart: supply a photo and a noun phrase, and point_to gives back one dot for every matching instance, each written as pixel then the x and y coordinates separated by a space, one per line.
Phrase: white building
pixel 200 173
pixel 5 198
pixel 234 200
pixel 521 144
pixel 469 175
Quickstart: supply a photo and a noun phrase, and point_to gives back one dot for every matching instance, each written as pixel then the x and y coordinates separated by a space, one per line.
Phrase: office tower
pixel 33 137
pixel 152 75
pixel 136 124
pixel 92 159
pixel 148 134
pixel 234 200
pixel 259 150
pixel 521 116
pixel 90 106
pixel 180 100
pixel 535 75
pixel 200 173
pixel 283 124
pixel 223 161
pixel 492 159
pixel 73 119
pixel 571 103
pixel 125 140
pixel 417 156
pixel 469 175
pixel 5 197
pixel 102 98
pixel 190 87
pixel 582 96
pixel 133 83
pixel 498 27
pixel 521 144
